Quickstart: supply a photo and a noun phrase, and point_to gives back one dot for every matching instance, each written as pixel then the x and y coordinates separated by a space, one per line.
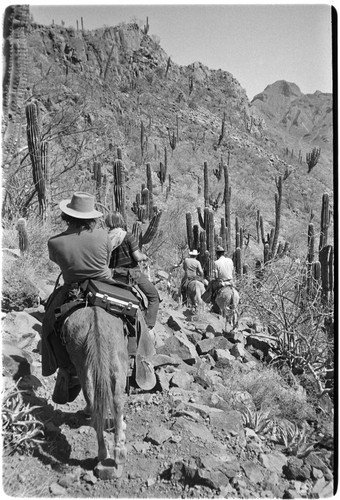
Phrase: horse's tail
pixel 99 362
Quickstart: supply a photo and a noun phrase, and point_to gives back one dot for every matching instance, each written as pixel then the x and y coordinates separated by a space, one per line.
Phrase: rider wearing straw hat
pixel 82 252
pixel 192 270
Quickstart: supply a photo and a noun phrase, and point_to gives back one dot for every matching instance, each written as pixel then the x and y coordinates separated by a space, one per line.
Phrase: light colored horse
pixel 97 347
pixel 195 291
pixel 227 299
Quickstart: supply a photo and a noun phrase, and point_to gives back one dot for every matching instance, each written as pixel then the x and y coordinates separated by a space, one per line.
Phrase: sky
pixel 258 43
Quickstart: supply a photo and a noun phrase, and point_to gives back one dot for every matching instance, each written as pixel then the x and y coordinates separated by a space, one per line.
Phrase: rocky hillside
pixel 217 424
pixel 116 87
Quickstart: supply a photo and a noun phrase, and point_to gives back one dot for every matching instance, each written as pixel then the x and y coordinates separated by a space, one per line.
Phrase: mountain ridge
pixel 119 80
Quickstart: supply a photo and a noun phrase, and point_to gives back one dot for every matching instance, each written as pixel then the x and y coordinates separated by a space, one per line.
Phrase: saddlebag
pixel 112 298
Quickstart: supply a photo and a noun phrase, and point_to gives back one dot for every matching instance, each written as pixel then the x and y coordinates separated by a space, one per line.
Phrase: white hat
pixel 81 206
pixel 193 252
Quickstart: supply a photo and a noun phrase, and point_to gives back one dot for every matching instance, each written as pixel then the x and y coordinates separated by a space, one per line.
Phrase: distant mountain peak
pixel 279 88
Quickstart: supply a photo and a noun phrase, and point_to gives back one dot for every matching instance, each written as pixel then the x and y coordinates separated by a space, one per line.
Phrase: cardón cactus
pixel 35 151
pixel 119 184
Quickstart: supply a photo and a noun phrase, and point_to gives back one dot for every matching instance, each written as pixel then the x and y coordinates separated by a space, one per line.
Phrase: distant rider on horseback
pixel 192 271
pixel 223 276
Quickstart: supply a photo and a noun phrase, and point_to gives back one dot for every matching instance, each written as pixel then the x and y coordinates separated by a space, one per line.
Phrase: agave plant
pixel 21 431
pixel 296 439
pixel 258 420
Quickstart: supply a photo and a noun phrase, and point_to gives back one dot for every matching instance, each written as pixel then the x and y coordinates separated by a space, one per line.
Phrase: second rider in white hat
pixel 192 270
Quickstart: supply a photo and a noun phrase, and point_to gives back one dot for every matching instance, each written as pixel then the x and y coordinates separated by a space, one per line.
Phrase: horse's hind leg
pixel 120 426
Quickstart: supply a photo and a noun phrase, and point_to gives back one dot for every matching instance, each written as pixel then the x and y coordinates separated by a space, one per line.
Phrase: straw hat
pixel 219 248
pixel 193 252
pixel 81 206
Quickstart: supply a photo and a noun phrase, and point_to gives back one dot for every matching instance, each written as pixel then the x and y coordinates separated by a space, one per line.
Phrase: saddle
pixel 220 285
pixel 116 298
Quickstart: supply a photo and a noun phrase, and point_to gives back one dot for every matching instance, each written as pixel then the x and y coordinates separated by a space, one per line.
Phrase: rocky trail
pixel 185 438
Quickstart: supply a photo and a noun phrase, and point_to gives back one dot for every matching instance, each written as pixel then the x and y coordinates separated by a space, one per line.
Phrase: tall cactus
pixel 310 257
pixel 203 253
pixel 226 199
pixel 190 232
pixel 224 233
pixel 119 185
pixel 196 235
pixel 143 139
pixel 152 228
pixel 172 140
pixel 310 243
pixel 206 184
pixel 210 242
pixel 162 173
pixel 313 158
pixel 149 186
pixel 46 174
pixel 325 218
pixel 23 236
pixel 278 203
pixel 326 262
pixel 238 261
pixel 97 176
pixel 35 151
pixel 220 139
pixel 15 76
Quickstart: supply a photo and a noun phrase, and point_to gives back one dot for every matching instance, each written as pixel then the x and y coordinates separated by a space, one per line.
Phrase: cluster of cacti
pixel 271 248
pixel 119 185
pixel 320 272
pixel 313 158
pixel 144 239
pixel 141 206
pixel 37 150
pixel 23 235
pixel 203 241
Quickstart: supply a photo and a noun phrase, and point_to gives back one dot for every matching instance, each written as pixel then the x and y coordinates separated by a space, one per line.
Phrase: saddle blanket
pixel 112 298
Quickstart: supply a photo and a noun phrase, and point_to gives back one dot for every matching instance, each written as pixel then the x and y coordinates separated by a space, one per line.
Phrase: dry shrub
pixel 20 274
pixel 270 391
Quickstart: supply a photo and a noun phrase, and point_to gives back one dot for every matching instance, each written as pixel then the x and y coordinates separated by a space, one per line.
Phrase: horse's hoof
pixel 108 469
pixel 120 454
